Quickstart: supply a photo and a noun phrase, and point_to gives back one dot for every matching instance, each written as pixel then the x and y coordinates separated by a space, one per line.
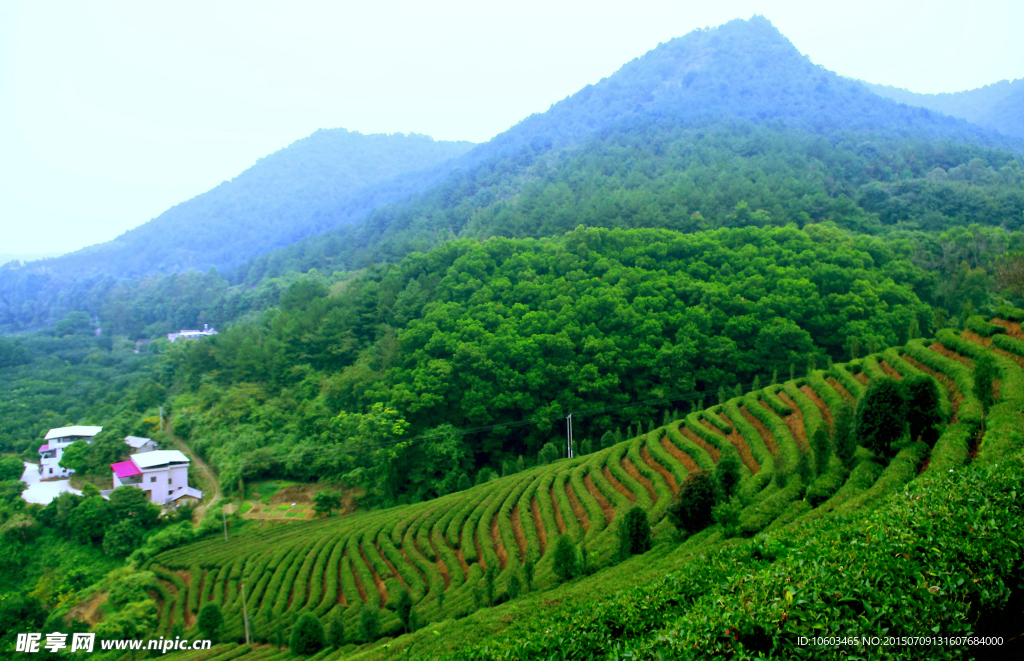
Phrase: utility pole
pixel 161 418
pixel 245 614
pixel 224 517
pixel 568 434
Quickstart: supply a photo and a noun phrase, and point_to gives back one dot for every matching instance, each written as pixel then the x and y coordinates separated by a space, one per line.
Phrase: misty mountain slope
pixel 277 201
pixel 733 78
pixel 737 108
pixel 999 106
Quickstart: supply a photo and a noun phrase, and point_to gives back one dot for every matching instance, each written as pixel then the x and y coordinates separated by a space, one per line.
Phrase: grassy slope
pixel 650 593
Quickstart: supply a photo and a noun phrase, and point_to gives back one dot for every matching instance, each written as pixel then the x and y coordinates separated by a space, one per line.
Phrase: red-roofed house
pixel 162 473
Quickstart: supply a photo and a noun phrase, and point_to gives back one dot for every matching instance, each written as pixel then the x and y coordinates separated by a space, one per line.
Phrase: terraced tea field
pixel 439 551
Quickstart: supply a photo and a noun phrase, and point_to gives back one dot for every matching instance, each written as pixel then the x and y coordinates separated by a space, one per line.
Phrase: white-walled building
pixel 162 473
pixel 57 440
pixel 191 334
pixel 140 444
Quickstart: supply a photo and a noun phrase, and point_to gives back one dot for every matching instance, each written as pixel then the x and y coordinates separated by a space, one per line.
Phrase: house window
pixel 168 480
pixel 153 479
pixel 51 471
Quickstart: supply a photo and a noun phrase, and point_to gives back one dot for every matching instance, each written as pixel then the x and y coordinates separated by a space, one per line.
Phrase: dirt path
pixel 391 567
pixel 412 564
pixel 559 521
pixel 686 460
pixel 1013 328
pixel 479 552
pixel 517 531
pixel 606 507
pixel 538 522
pixel 940 349
pixel 888 369
pixel 819 402
pixel 986 342
pixel 714 429
pixel 839 388
pixel 665 473
pixel 577 507
pixel 955 397
pixel 714 452
pixel 441 567
pixel 377 580
pixel 208 475
pixel 862 377
pixel 355 578
pixel 741 445
pixel 499 546
pixel 618 486
pixel 628 466
pixel 766 436
pixel 795 422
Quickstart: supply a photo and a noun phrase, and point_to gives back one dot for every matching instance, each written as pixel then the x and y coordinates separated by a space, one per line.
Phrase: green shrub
pixel 635 532
pixel 881 416
pixel 564 562
pixel 691 510
pixel 727 472
pixel 827 483
pixel 307 635
pixel 369 623
pixel 210 621
pixel 1010 313
pixel 548 454
pixel 336 629
pixel 983 328
pixel 403 608
pixel 821 445
pixel 1007 343
pixel 985 373
pixel 924 412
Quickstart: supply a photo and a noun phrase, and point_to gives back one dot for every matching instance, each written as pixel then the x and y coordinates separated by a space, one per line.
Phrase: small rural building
pixel 140 444
pixel 57 440
pixel 162 473
pixel 191 334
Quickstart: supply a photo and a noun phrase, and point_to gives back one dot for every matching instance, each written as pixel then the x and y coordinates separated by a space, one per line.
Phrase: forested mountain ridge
pixel 998 106
pixel 329 178
pixel 742 89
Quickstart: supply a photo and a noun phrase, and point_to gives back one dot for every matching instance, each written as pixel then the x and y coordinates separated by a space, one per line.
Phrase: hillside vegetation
pixel 923 535
pixel 685 137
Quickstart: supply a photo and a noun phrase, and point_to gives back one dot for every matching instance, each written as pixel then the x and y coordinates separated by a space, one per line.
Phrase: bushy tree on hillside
pixel 369 623
pixel 11 468
pixel 548 454
pixel 307 635
pixel 844 439
pixel 210 621
pixel 336 629
pixel 691 509
pixel 727 472
pixel 403 609
pixel 821 445
pixel 325 502
pixel 565 562
pixel 881 418
pixel 924 412
pixel 635 532
pixel 986 371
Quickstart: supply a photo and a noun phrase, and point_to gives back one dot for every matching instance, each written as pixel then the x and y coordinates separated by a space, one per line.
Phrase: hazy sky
pixel 111 112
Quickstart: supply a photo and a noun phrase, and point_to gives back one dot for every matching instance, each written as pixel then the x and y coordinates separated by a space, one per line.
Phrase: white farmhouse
pixel 192 334
pixel 57 440
pixel 140 444
pixel 162 473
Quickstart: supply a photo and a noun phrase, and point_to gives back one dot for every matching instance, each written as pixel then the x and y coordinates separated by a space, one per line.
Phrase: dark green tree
pixel 11 468
pixel 132 503
pixel 924 410
pixel 123 537
pixel 881 416
pixel 464 481
pixel 490 576
pixel 210 621
pixel 844 439
pixel 548 454
pixel 336 629
pixel 821 445
pixel 403 609
pixel 727 472
pixel 986 371
pixel 528 567
pixel 307 635
pixel 325 502
pixel 514 586
pixel 607 440
pixel 565 562
pixel 635 532
pixel 369 623
pixel 691 509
